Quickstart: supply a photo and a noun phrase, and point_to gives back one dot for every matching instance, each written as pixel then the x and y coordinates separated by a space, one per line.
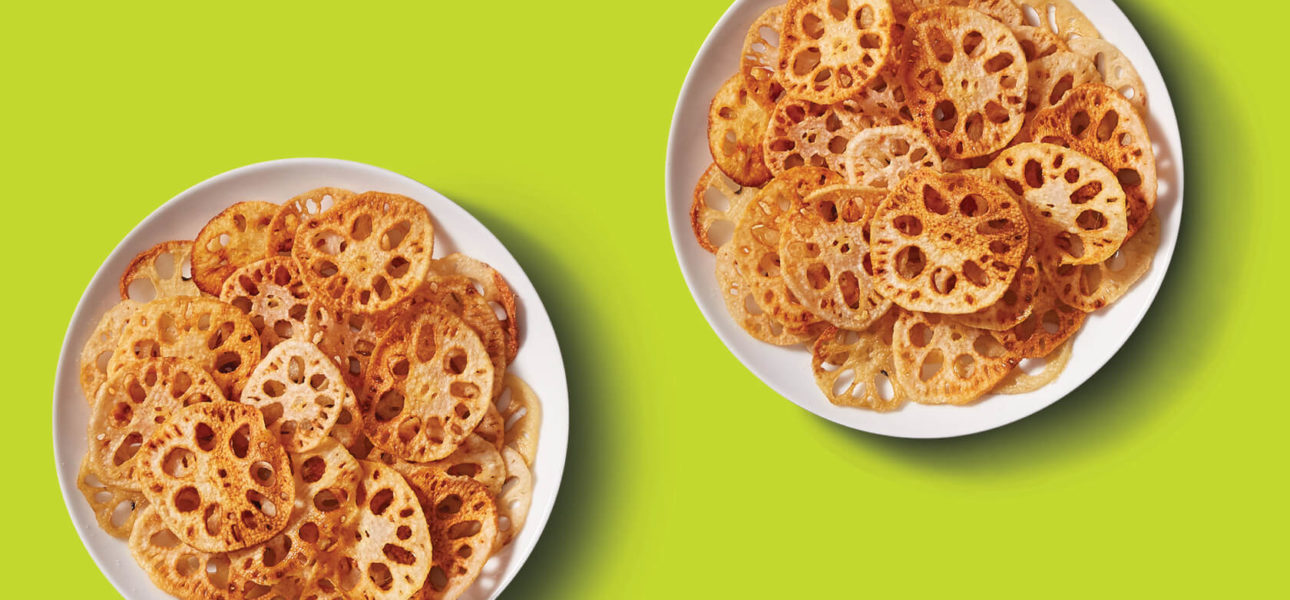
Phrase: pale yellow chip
pixel 115 508
pixel 1115 69
pixel 300 392
pixel 97 353
pixel 854 368
pixel 716 203
pixel 881 156
pixel 160 271
pixel 939 361
pixel 521 413
pixel 1018 381
pixel 516 498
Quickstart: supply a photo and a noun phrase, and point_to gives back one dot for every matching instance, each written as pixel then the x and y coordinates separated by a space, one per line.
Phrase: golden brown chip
pixel 391 548
pixel 736 126
pixel 103 342
pixel 882 99
pixel 349 425
pixel 851 367
pixel 133 403
pixel 939 361
pixel 178 569
pixel 881 156
pixel 1018 381
pixel 1115 69
pixel 367 253
pixel 965 76
pixel 1049 325
pixel 1013 306
pixel 273 295
pixel 1075 204
pixel 1051 78
pixel 463 529
pixel 760 53
pixel 1061 18
pixel 1090 287
pixel 521 413
pixel 1037 42
pixel 830 50
pixel 349 339
pixel 739 298
pixel 206 331
pixel 494 288
pixel 493 427
pixel 717 201
pixel 167 270
pixel 1003 11
pixel 824 255
pixel 1098 121
pixel 947 243
pixel 801 132
pixel 234 238
pixel 457 295
pixel 306 206
pixel 300 392
pixel 115 508
pixel 217 477
pixel 516 498
pixel 428 385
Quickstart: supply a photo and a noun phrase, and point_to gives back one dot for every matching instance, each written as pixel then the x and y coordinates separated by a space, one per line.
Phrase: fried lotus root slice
pixel 854 368
pixel 217 477
pixel 96 355
pixel 1090 287
pixel 741 303
pixel 493 427
pixel 1003 11
pixel 234 238
pixel 829 49
pixel 1020 381
pixel 939 361
pixel 350 338
pixel 476 458
pixel 516 498
pixel 133 403
pixel 801 132
pixel 717 200
pixel 306 206
pixel 463 529
pixel 757 64
pixel 965 76
pixel 882 99
pixel 326 481
pixel 457 295
pixel 1074 202
pixel 160 271
pixel 1096 120
pixel 755 244
pixel 493 286
pixel 429 384
pixel 947 243
pixel 521 412
pixel 366 254
pixel 115 508
pixel 1059 17
pixel 1013 306
pixel 824 255
pixel 1037 42
pixel 391 547
pixel 349 425
pixel 1049 325
pixel 736 127
pixel 1054 76
pixel 179 569
pixel 880 157
pixel 215 335
pixel 300 393
pixel 1115 68
pixel 272 293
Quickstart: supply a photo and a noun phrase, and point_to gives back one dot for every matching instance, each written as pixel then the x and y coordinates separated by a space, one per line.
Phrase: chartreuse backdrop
pixel 1164 475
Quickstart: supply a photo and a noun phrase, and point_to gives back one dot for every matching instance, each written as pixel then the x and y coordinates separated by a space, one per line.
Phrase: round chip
pixel 391 549
pixel 829 49
pixel 760 53
pixel 1054 76
pixel 741 303
pixel 476 458
pixel 300 392
pixel 825 256
pixel 516 497
pixel 115 508
pixel 428 385
pixel 133 403
pixel 178 569
pixel 1090 287
pixel 1049 325
pixel 349 339
pixel 854 368
pixel 1115 68
pixel 367 253
pixel 1059 17
pixel 1003 11
pixel 965 76
pixel 736 126
pixel 717 201
pixel 521 413
pixel 493 286
pixel 215 335
pixel 217 477
pixel 162 270
pixel 457 295
pixel 946 243
pixel 306 206
pixel 273 295
pixel 939 361
pixel 97 353
pixel 1037 42
pixel 492 427
pixel 1075 204
pixel 1013 306
pixel 1096 120
pixel 1019 381
pixel 882 99
pixel 234 238
pixel 463 529
pixel 881 156
pixel 805 133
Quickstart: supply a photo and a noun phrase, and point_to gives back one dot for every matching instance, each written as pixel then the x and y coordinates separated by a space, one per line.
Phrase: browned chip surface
pixel 736 126
pixel 881 156
pixel 1050 323
pixel 391 548
pixel 306 206
pixel 939 361
pixel 115 508
pixel 1090 287
pixel 829 50
pixel 234 238
pixel 760 54
pixel 1013 306
pixel 851 367
pixel 716 203
pixel 273 295
pixel 160 271
pixel 97 353
pixel 457 294
pixel 463 529
pixel 740 300
pixel 179 569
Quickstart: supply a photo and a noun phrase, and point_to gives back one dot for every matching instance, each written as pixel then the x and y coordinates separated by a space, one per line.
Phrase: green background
pixel 1165 473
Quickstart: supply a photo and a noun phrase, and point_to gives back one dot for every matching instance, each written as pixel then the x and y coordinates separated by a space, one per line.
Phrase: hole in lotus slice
pixel 179 463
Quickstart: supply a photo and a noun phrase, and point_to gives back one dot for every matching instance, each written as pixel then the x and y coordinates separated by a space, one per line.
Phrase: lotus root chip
pixel 300 392
pixel 212 334
pixel 736 127
pixel 476 458
pixel 947 243
pixel 1051 78
pixel 760 52
pixel 462 515
pixel 234 238
pixel 167 269
pixel 1013 306
pixel 132 404
pixel 297 210
pixel 829 50
pixel 521 413
pixel 115 508
pixel 717 200
pixel 97 353
pixel 1050 324
pixel 391 547
pixel 350 338
pixel 881 156
pixel 516 498
pixel 1019 381
pixel 493 427
pixel 365 254
pixel 428 385
pixel 1090 287
pixel 179 569
pixel 855 368
pixel 1037 42
pixel 1114 68
pixel 457 294
pixel 493 286
pixel 1003 11
pixel 217 477
pixel 739 299
pixel 273 295
pixel 803 133
pixel 1059 17
pixel 939 361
